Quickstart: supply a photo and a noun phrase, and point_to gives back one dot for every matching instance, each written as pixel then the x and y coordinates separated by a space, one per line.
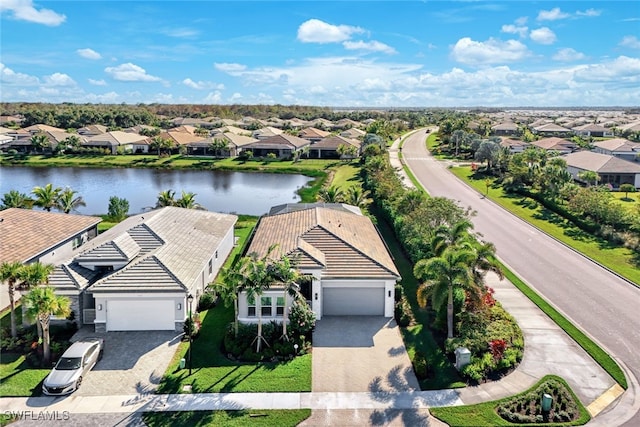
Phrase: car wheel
pixel 78 383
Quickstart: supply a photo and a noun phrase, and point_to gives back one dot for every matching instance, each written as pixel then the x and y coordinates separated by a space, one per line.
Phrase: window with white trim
pixel 251 309
pixel 265 306
pixel 280 307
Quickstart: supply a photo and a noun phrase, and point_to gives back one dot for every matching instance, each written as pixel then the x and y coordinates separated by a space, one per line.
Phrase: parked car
pixel 80 358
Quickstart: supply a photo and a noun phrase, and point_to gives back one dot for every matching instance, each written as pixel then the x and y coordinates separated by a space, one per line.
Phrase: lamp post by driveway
pixel 190 301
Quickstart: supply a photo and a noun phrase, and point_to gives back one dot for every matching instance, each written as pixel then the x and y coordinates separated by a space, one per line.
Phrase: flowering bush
pixel 302 320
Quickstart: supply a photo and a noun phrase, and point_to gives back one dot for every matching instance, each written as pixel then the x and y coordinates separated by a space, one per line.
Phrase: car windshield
pixel 69 363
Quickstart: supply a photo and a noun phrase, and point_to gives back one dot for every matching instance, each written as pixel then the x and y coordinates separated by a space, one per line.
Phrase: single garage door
pixel 140 315
pixel 353 302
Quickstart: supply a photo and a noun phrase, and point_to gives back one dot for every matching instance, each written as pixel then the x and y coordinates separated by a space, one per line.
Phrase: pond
pixel 251 193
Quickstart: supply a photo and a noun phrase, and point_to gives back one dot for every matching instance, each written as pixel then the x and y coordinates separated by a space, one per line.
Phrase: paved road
pixel 599 302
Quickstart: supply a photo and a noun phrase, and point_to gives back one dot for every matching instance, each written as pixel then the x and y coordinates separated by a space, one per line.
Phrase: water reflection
pixel 222 191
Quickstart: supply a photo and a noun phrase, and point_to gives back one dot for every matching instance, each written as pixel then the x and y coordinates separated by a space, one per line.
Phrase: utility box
pixel 463 357
pixel 182 363
pixel 546 402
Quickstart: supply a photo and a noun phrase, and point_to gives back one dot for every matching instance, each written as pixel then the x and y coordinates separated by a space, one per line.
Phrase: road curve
pixel 600 303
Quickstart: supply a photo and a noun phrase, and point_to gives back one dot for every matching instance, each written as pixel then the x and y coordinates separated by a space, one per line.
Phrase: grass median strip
pixel 240 418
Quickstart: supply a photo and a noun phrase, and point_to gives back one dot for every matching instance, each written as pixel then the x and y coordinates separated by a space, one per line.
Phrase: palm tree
pixel 284 272
pixel 161 144
pixel 257 282
pixel 233 282
pixel 590 177
pixel 483 262
pixel 67 201
pixel 16 199
pixel 188 200
pixel 356 197
pixel 166 198
pixel 441 275
pixel 217 146
pixel 41 303
pixel 72 142
pixel 10 274
pixel 446 236
pixel 332 194
pixel 46 197
pixel 39 142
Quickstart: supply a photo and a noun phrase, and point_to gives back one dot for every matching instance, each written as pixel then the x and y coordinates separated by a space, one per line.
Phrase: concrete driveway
pixel 133 362
pixel 361 354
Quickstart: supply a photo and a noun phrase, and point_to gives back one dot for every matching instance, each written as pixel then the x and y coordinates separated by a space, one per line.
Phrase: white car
pixel 79 359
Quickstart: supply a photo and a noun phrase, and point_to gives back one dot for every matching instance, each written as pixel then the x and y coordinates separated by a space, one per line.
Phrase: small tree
pixel 626 189
pixel 41 303
pixel 10 273
pixel 118 208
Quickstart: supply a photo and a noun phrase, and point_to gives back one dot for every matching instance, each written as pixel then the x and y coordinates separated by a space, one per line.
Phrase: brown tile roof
pixel 28 233
pixel 334 141
pixel 344 243
pixel 617 144
pixel 601 163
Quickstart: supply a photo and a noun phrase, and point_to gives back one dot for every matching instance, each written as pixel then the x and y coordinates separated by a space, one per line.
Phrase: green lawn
pixel 346 175
pixel 19 379
pixel 617 259
pixel 241 418
pixel 213 372
pixel 631 203
pixel 484 414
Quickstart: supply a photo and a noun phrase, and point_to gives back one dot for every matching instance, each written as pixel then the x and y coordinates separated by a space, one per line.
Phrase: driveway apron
pixel 360 354
pixel 133 362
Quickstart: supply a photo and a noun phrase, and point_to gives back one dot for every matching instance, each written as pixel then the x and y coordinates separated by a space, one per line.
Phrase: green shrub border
pixel 486 412
pixel 594 350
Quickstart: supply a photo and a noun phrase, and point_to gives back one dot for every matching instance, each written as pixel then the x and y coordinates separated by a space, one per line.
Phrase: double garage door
pixel 353 301
pixel 140 315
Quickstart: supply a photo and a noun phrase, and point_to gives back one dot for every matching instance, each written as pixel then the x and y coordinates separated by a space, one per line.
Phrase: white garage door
pixel 353 302
pixel 140 315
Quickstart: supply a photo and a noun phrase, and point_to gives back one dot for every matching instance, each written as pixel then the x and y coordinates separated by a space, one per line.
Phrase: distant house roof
pixel 266 132
pixel 353 133
pixel 554 143
pixel 232 129
pixel 294 207
pixel 26 234
pixel 551 127
pixel 334 141
pixel 505 126
pixel 591 127
pixel 618 145
pixel 601 163
pixel 116 138
pixel 282 141
pixel 181 138
pixel 92 130
pixel 42 128
pixel 313 133
pixel 509 142
pixel 164 250
pixel 342 243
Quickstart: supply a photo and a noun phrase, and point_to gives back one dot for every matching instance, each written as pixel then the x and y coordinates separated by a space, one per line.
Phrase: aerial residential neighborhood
pixel 319 213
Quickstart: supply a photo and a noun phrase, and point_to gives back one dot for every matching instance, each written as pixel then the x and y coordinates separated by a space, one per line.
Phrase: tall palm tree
pixel 67 201
pixel 441 275
pixel 166 198
pixel 41 303
pixel 217 146
pixel 46 197
pixel 283 271
pixel 10 274
pixel 446 236
pixel 257 282
pixel 16 199
pixel 484 261
pixel 233 282
pixel 33 275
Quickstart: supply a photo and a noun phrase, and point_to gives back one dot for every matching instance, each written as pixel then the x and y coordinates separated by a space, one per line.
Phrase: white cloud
pixel 182 32
pixel 515 29
pixel 130 73
pixel 619 71
pixel 521 21
pixel 543 35
pixel 373 46
pixel 230 68
pixel 100 82
pixel 213 98
pixel 589 12
pixel 568 54
pixel 201 84
pixel 88 53
pixel 630 41
pixel 8 76
pixel 59 79
pixel 492 51
pixel 23 10
pixel 552 15
pixel 317 31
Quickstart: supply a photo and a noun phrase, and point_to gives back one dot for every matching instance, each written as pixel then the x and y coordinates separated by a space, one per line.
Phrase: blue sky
pixel 343 54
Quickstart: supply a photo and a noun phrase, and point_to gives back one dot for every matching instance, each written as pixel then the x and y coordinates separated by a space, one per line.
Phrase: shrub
pixel 207 300
pixel 302 320
pixel 403 313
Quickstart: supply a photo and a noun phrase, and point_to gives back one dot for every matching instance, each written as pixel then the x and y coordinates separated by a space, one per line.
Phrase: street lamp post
pixel 190 301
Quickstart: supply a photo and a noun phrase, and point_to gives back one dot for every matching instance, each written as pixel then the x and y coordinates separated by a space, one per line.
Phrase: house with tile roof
pixel 28 236
pixel 234 145
pixel 555 144
pixel 313 134
pixel 283 146
pixel 592 129
pixel 611 170
pixel 350 268
pixel 138 274
pixel 619 147
pixel 112 140
pixel 327 148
